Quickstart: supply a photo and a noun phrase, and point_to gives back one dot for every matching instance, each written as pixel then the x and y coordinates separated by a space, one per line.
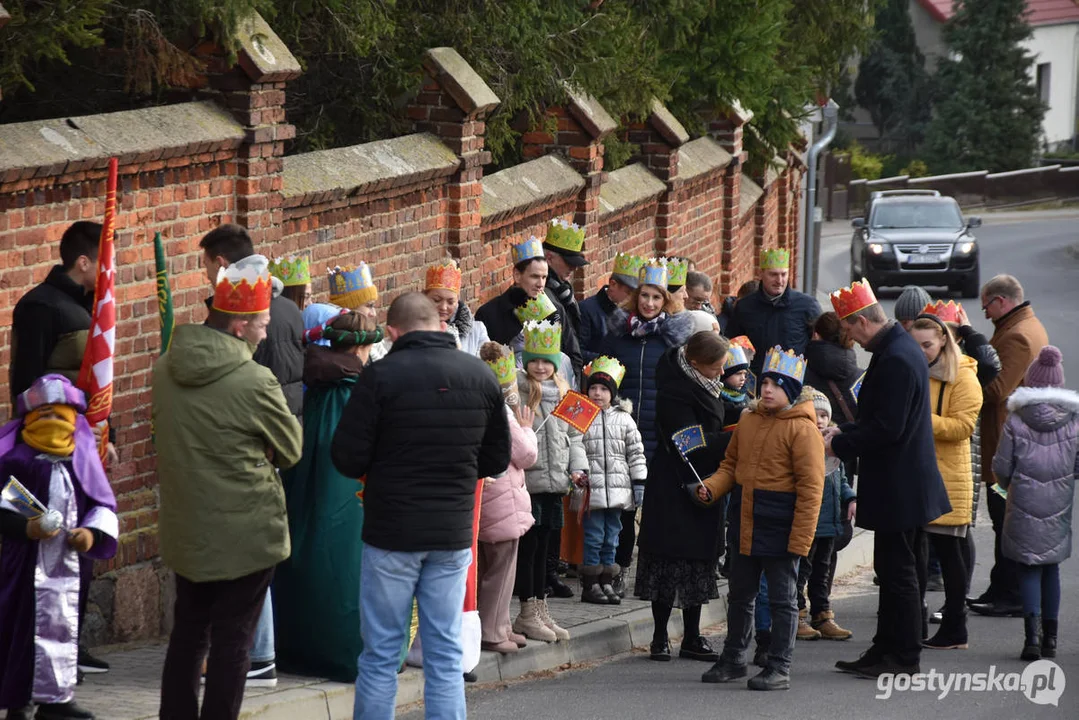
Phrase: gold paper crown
pixel 505 367
pixel 565 236
pixel 444 276
pixel 849 300
pixel 543 340
pixel 352 287
pixel 677 271
pixel 292 270
pixel 775 259
pixel 654 272
pixel 628 268
pixel 527 250
pixel 607 366
pixel 947 312
pixel 244 287
pixel 538 308
pixel 785 363
pixel 736 357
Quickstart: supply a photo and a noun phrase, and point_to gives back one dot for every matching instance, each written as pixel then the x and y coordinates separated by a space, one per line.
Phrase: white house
pixel 1055 47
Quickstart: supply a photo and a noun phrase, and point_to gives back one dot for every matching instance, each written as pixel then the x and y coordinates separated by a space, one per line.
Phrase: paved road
pixel 631 687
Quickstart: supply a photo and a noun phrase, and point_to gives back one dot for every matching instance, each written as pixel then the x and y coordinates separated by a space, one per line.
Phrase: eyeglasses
pixel 986 306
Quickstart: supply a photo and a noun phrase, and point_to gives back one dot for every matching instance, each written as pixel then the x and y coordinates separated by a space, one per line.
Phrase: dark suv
pixel 915 237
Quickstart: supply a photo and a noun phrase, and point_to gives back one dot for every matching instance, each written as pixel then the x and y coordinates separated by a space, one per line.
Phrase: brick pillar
pixel 659 137
pixel 726 128
pixel 254 92
pixel 452 105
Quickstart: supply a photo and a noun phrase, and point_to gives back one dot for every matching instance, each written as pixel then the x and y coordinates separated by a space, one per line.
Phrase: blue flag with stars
pixel 688 439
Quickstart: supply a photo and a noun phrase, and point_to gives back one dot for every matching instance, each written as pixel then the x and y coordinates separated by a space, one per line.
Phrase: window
pixel 1042 80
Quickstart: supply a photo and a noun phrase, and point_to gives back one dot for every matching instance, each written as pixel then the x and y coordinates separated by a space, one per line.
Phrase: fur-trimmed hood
pixel 623 405
pixel 674 331
pixel 806 396
pixel 1044 409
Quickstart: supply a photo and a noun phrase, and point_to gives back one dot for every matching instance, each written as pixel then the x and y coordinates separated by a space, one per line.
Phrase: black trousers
pixel 899 605
pixel 1004 577
pixel 532 562
pixel 222 615
pixel 815 575
pixel 950 551
pixel 626 539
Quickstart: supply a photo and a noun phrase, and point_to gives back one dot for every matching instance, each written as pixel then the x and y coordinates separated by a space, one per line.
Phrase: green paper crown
pixel 505 367
pixel 538 308
pixel 776 259
pixel 543 340
pixel 291 270
pixel 565 236
pixel 607 366
pixel 627 268
pixel 677 271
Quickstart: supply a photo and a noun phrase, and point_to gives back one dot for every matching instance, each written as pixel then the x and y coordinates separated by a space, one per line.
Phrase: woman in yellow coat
pixel 955 397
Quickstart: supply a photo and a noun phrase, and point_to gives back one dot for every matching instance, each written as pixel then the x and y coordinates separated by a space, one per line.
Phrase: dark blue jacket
pixel 785 323
pixel 641 356
pixel 594 313
pixel 837 493
pixel 899 483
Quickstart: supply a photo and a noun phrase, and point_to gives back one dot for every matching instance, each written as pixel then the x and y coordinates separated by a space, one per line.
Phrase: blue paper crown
pixel 654 272
pixel 351 287
pixel 785 363
pixel 527 250
pixel 736 357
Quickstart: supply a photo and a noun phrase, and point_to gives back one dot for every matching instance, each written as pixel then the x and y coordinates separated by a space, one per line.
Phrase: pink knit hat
pixel 1046 370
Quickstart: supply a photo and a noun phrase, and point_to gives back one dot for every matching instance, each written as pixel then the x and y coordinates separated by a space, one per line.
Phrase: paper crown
pixel 352 287
pixel 505 366
pixel 628 268
pixel 849 300
pixel 948 312
pixel 607 366
pixel 244 287
pixel 736 357
pixel 776 259
pixel 565 236
pixel 784 363
pixel 444 276
pixel 743 342
pixel 654 272
pixel 677 271
pixel 538 308
pixel 530 248
pixel 292 270
pixel 543 340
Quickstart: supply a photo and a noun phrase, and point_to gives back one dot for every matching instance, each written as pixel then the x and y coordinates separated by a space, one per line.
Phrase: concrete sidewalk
pixel 130 690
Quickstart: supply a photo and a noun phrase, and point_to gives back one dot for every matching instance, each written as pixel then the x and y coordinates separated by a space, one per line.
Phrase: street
pixel 1039 252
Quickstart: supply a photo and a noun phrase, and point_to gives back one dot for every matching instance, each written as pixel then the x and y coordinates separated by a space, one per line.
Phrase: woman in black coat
pixel 679 538
pixel 832 367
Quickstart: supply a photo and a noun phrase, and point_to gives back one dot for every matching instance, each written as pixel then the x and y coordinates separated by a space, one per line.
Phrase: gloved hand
pixel 638 495
pixel 35 531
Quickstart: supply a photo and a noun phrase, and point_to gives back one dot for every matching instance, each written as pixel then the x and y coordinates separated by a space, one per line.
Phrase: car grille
pixel 916 249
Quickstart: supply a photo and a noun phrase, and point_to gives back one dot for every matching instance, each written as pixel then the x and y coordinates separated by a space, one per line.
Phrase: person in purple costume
pixel 52 451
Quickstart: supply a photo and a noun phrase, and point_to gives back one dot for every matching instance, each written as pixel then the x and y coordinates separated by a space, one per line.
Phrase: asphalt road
pixel 1038 250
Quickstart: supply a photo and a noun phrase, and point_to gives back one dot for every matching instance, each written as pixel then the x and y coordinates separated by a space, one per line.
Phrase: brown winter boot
pixel 530 624
pixel 825 624
pixel 805 630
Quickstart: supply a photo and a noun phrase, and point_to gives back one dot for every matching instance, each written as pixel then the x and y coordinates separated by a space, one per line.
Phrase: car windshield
pixel 917 215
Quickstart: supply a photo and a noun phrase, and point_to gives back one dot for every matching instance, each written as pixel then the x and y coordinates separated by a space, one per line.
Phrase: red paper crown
pixel 849 300
pixel 948 312
pixel 244 287
pixel 444 276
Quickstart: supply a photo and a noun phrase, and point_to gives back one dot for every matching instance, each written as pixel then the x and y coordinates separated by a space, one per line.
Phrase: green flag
pixel 164 295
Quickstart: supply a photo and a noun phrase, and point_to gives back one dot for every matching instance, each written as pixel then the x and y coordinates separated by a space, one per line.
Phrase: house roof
pixel 1039 12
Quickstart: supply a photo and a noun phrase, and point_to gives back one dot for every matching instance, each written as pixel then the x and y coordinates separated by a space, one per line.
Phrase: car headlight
pixel 876 248
pixel 965 248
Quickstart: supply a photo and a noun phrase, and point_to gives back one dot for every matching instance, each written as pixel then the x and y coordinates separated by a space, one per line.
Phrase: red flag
pixel 577 410
pixel 95 375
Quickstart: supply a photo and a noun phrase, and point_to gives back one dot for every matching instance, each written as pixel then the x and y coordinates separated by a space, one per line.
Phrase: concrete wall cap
pixel 701 156
pixel 536 182
pixel 628 186
pixel 589 112
pixel 263 56
pixel 667 125
pixel 751 193
pixel 463 83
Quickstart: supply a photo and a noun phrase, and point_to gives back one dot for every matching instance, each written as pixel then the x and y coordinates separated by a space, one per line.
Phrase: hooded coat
pixel 828 364
pixel 615 458
pixel 216 413
pixel 560 450
pixel 955 407
pixel 1037 461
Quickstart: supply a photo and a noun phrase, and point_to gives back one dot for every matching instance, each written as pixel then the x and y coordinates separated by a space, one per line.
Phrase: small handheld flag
pixel 857 386
pixel 750 388
pixel 576 410
pixel 686 441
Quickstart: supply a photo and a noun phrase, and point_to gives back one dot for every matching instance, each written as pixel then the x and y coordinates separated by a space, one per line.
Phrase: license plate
pixel 923 260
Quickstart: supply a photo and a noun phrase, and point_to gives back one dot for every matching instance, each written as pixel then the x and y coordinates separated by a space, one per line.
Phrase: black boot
pixel 619 582
pixel 606 582
pixel 24 713
pixel 1049 638
pixel 764 641
pixel 63 711
pixel 952 634
pixel 557 588
pixel 591 590
pixel 1032 627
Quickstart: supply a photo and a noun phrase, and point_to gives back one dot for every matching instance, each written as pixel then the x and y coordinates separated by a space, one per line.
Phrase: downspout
pixel 812 240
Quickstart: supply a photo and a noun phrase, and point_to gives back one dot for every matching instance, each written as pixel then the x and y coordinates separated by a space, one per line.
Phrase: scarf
pixel 712 387
pixel 640 328
pixel 735 396
pixel 51 435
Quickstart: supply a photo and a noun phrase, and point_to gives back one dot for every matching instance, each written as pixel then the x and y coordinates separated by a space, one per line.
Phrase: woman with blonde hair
pixel 956 400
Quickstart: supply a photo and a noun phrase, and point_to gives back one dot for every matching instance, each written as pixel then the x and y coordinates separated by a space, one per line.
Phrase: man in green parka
pixel 221 427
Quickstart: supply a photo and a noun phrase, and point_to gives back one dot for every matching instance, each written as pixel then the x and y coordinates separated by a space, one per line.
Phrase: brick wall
pixel 398 204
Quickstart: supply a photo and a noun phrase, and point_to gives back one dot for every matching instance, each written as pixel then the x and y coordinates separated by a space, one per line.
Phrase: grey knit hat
pixel 821 402
pixel 911 302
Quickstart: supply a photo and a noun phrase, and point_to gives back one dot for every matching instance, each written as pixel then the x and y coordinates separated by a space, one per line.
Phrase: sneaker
pixel 724 671
pixel 698 648
pixel 91 665
pixel 769 679
pixel 262 674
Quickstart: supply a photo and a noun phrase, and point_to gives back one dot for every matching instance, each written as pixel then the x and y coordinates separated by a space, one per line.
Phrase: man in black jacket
pixel 422 426
pixel 900 489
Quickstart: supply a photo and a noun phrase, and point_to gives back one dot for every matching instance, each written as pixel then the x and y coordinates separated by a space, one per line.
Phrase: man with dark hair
pixel 596 309
pixel 423 424
pixel 563 250
pixel 49 329
pixel 699 292
pixel 900 488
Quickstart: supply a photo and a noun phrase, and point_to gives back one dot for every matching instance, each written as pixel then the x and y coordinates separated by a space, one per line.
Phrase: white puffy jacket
pixel 615 458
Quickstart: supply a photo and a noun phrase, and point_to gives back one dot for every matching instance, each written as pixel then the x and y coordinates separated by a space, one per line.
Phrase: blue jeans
pixel 263 648
pixel 1039 586
pixel 601 529
pixel 745 584
pixel 388 582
